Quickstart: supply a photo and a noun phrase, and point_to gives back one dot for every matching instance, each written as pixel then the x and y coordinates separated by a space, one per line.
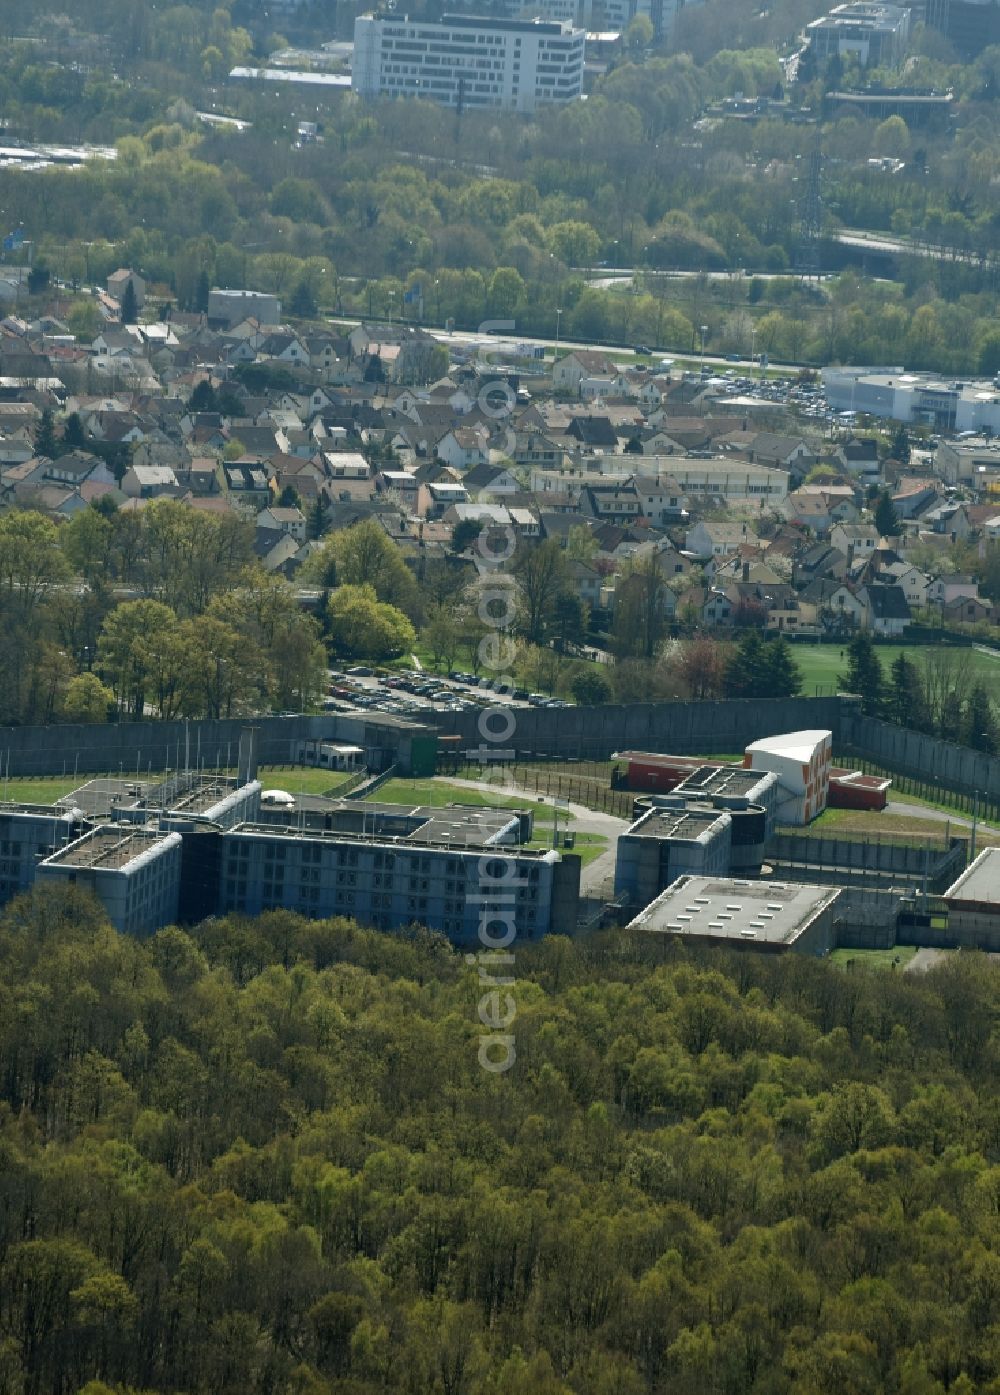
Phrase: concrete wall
pixel 885 863
pixel 923 757
pixel 155 746
pixel 866 919
pixel 680 728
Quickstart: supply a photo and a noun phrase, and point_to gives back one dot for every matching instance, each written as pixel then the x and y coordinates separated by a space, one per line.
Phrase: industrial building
pixel 876 35
pixel 737 789
pixel 466 61
pixel 667 842
pixel 774 917
pixel 893 393
pixel 733 787
pixel 801 760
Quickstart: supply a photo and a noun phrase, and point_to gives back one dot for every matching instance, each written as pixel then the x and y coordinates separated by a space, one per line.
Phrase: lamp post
pixel 704 331
pixel 558 315
pixel 753 345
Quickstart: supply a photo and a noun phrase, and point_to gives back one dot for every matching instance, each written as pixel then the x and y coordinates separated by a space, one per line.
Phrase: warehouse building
pixel 773 917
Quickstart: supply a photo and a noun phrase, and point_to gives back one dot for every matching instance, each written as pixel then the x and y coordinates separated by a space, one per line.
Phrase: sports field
pixel 822 665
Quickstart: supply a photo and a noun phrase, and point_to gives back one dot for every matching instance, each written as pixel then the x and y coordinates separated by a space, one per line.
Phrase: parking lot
pixel 410 692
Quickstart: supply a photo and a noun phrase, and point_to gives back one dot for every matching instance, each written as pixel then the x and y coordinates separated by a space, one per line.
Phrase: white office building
pixel 469 61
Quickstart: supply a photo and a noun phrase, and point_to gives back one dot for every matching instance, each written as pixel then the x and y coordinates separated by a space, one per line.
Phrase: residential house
pixel 402 485
pixel 585 581
pixel 821 559
pixel 281 519
pixel 951 519
pixel 612 503
pixel 966 610
pixel 464 447
pixel 284 347
pixel 910 579
pixel 569 372
pixel 886 612
pixel 945 589
pixel 276 551
pixel 808 510
pixel 859 457
pixel 783 452
pixel 661 500
pixel 855 540
pixel 485 480
pixel 76 466
pixel 913 497
pixel 150 482
pixel 250 484
pixel 441 496
pixel 711 539
pixel 537 448
pixel 117 284
pixel 844 608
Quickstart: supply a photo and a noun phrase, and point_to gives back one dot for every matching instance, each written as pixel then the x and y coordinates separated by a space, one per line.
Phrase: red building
pixel 658 773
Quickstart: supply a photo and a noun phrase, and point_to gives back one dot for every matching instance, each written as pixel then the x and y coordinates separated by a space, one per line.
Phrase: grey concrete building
pixel 29 833
pixel 876 35
pixel 667 842
pixel 973 903
pixel 439 875
pixel 774 917
pixel 134 872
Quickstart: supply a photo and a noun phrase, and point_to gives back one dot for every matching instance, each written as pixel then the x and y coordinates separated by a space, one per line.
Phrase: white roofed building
pixel 801 760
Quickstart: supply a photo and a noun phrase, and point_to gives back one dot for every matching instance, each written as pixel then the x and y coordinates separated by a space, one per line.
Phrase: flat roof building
pixel 134 872
pixel 432 876
pixel 666 842
pixel 801 760
pixel 973 903
pixel 876 35
pixel 210 798
pixel 231 306
pixel 776 917
pixel 29 833
pixel 467 61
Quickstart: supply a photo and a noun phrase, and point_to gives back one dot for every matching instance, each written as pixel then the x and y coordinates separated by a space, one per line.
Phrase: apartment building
pixel 469 61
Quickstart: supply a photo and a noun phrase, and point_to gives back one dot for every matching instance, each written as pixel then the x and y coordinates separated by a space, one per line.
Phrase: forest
pixel 262 1156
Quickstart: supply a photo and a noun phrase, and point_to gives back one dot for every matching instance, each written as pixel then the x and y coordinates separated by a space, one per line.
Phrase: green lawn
pixel 587 845
pixel 302 780
pixel 822 665
pixel 899 957
pixel 45 790
pixel 443 792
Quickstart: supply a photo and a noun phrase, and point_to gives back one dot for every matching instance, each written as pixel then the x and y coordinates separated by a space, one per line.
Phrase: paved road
pixel 920 811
